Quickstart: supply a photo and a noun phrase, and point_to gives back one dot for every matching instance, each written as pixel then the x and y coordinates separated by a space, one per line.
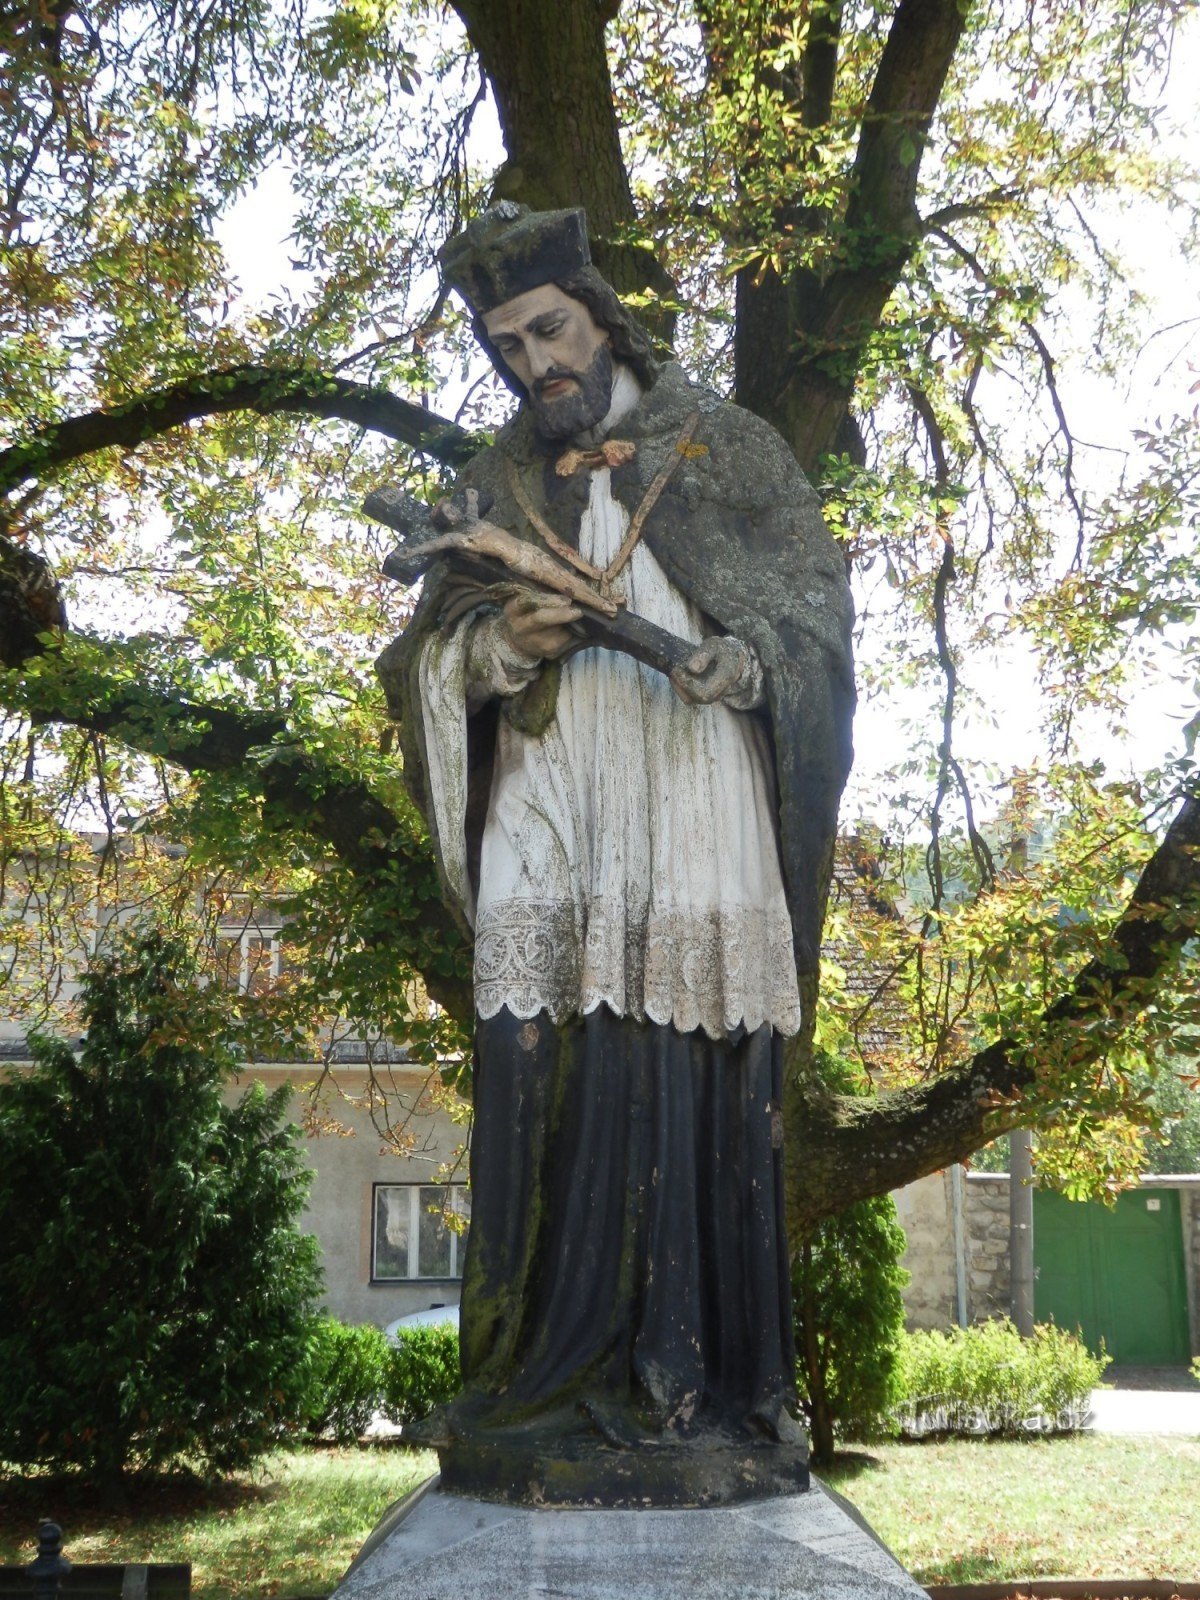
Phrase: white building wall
pixel 346 1165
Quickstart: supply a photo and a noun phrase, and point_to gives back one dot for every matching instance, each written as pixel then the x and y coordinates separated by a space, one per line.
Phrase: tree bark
pixel 547 65
pixel 31 602
pixel 801 334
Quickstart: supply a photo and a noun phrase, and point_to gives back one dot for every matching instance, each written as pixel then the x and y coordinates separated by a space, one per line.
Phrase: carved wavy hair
pixel 630 342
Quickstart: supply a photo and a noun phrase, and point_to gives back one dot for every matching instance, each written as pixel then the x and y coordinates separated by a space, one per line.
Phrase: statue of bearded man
pixel 644 863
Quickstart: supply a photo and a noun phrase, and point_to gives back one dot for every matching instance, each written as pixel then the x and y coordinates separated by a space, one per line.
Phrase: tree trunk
pixel 548 68
pixel 801 337
pixel 820 1421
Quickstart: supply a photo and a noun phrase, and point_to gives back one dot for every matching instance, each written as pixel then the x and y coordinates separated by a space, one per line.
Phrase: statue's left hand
pixel 716 668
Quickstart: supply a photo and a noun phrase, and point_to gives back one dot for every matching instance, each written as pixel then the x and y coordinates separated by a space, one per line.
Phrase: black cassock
pixel 626 1304
pixel 628 1191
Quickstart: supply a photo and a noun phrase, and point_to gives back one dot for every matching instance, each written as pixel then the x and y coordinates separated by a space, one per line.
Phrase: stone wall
pixel 924 1212
pixel 986 1217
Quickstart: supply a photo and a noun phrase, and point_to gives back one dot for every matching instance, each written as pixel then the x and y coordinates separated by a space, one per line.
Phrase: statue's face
pixel 560 356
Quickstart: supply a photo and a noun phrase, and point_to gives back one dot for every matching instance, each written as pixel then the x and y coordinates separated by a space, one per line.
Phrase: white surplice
pixel 630 856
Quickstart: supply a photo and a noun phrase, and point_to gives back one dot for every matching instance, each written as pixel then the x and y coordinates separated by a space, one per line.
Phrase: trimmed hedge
pixel 422 1372
pixel 345 1379
pixel 354 1372
pixel 987 1379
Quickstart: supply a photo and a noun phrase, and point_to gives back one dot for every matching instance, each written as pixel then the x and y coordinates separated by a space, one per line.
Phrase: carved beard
pixel 580 408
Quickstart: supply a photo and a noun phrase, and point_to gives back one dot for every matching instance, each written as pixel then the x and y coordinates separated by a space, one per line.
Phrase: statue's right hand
pixel 539 624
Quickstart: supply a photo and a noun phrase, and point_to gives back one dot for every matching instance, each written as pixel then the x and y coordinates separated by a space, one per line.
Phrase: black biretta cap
pixel 509 249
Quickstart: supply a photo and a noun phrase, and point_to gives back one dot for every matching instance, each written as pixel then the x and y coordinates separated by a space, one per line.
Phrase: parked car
pixel 422 1319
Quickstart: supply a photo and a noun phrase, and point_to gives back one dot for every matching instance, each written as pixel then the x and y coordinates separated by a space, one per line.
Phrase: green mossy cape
pixel 739 531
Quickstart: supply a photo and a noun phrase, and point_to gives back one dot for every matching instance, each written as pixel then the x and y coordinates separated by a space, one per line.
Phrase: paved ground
pixel 1180 1378
pixel 1147 1400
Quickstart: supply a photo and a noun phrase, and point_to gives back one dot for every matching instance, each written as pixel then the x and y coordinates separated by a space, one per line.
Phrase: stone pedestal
pixel 436 1545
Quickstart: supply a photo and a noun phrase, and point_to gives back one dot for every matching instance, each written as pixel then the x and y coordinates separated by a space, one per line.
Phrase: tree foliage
pixel 156 1288
pixel 882 224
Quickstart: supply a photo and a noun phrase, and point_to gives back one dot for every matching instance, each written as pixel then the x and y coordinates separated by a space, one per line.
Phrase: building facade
pixel 1128 1274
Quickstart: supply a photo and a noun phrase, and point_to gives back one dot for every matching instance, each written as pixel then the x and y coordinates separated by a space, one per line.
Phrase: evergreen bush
pixel 849 1308
pixel 987 1379
pixel 422 1371
pixel 156 1290
pixel 847 1285
pixel 345 1367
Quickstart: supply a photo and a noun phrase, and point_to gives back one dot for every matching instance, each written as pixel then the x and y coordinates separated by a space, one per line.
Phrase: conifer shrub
pixel 847 1285
pixel 156 1289
pixel 849 1313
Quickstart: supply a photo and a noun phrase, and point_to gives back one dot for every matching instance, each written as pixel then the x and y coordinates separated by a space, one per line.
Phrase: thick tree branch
pixel 265 390
pixel 847 1149
pixel 299 789
pixel 31 602
pixel 908 85
pixel 820 60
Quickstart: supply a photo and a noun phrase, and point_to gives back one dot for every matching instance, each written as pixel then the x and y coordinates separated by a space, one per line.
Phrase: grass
pixel 959 1511
pixel 290 1529
pixel 1086 1505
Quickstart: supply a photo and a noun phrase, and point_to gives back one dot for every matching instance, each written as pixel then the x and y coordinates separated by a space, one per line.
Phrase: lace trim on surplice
pixel 712 970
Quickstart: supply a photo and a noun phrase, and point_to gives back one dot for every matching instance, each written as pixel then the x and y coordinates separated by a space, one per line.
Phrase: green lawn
pixel 1088 1506
pixel 959 1512
pixel 291 1528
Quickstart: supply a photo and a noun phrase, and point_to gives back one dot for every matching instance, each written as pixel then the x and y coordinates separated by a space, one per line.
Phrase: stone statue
pixel 643 861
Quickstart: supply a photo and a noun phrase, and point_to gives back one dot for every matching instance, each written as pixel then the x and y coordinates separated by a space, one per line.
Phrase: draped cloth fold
pixel 654 1266
pixel 627 1278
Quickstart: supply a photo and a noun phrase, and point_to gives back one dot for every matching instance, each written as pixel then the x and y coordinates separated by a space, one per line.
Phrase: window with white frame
pixel 419 1230
pixel 251 959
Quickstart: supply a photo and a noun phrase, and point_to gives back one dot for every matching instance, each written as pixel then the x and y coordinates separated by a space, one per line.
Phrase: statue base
pixel 436 1545
pixel 714 1469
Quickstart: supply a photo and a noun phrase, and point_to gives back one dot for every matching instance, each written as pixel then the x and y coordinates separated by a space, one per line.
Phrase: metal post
pixel 50 1564
pixel 958 1225
pixel 1020 1218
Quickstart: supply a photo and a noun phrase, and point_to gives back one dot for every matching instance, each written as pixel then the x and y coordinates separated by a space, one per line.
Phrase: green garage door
pixel 1116 1275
